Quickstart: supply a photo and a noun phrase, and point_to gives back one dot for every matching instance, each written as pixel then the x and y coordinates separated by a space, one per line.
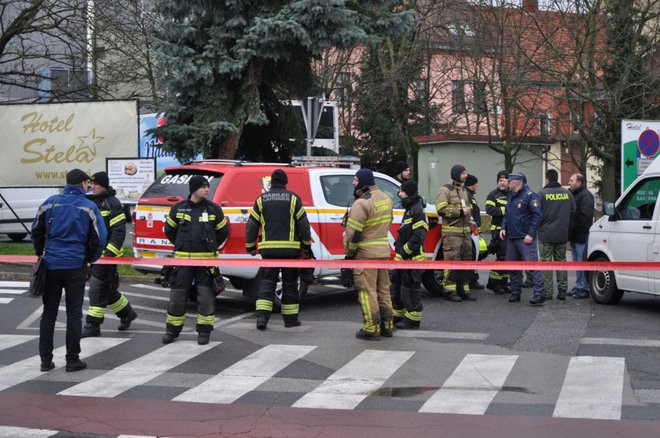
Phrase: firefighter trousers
pixel 103 292
pixel 406 291
pixel 182 278
pixel 498 278
pixel 373 287
pixel 290 299
pixel 457 247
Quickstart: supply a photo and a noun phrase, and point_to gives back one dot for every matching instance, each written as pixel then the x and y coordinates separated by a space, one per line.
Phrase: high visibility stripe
pixel 113 249
pixel 368 323
pixel 472 386
pixel 300 213
pixel 193 255
pixel 118 305
pixel 119 218
pixel 456 230
pixel 96 312
pixel 262 219
pixel 250 245
pixel 407 221
pixel 212 217
pixel 352 223
pixel 593 388
pixel 171 222
pixel 28 369
pixel 282 244
pixel 221 224
pixel 440 205
pixel 382 219
pixel 184 216
pixel 105 213
pixel 372 242
pixel 139 371
pixel 255 215
pixel 495 227
pixel 205 320
pixel 420 224
pixel 413 316
pixel 176 321
pixel 355 381
pixel 290 309
pixel 399 312
pixel 245 375
pixel 489 202
pixel 264 305
pixel 407 249
pixel 422 256
pixel 292 218
pixel 9 341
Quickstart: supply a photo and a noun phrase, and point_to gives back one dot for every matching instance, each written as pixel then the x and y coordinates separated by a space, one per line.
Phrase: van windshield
pixel 176 184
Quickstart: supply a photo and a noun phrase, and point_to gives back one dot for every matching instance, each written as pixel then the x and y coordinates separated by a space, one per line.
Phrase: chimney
pixel 531 5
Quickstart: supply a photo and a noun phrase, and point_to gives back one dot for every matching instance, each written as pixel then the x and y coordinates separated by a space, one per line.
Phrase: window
pixel 480 98
pixel 576 121
pixel 343 88
pixel 338 190
pixel 392 191
pixel 73 82
pixel 640 202
pixel 458 96
pixel 544 124
pixel 420 90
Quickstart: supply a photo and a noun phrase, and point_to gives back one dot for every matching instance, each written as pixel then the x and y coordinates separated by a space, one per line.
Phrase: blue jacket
pixel 523 214
pixel 76 234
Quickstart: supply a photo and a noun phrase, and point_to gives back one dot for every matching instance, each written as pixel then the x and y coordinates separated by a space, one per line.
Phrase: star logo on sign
pixel 90 141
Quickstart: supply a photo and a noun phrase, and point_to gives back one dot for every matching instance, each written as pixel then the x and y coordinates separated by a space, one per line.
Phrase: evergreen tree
pixel 222 59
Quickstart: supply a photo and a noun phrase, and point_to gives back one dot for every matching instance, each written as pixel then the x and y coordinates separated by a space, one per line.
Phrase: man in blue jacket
pixel 519 227
pixel 69 231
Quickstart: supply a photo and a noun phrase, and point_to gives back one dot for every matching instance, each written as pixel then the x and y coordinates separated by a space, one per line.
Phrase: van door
pixel 333 201
pixel 633 235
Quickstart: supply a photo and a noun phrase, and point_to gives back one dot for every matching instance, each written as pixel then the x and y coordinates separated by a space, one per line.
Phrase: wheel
pixel 603 285
pixel 237 282
pixel 17 237
pixel 432 281
pixel 251 287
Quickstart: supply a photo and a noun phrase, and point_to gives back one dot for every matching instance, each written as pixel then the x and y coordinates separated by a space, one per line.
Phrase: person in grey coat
pixel 558 207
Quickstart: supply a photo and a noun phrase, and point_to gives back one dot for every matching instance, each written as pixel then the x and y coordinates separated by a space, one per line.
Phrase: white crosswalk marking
pixel 20 284
pixel 24 432
pixel 593 388
pixel 6 300
pixel 351 384
pixel 12 291
pixel 472 386
pixel 8 341
pixel 28 369
pixel 139 371
pixel 245 375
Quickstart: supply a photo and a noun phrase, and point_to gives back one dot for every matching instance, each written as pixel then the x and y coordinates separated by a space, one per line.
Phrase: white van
pixel 629 231
pixel 18 207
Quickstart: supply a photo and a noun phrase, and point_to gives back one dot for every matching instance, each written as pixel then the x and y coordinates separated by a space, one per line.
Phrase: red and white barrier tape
pixel 367 264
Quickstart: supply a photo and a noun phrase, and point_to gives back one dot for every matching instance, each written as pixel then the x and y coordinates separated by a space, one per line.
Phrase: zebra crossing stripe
pixel 593 388
pixel 245 375
pixel 12 291
pixel 355 381
pixel 24 432
pixel 8 341
pixel 472 386
pixel 28 369
pixel 139 371
pixel 6 300
pixel 24 284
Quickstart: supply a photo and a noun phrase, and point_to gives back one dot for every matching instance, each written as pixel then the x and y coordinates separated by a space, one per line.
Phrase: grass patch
pixel 25 248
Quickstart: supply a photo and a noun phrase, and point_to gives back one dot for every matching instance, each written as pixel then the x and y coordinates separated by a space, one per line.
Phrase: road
pixel 567 366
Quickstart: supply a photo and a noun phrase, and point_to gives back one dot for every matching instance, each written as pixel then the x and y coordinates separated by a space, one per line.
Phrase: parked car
pixel 18 208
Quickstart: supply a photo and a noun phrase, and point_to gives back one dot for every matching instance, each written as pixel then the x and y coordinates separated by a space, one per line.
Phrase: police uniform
pixel 406 284
pixel 104 279
pixel 456 233
pixel 496 202
pixel 196 229
pixel 285 233
pixel 365 238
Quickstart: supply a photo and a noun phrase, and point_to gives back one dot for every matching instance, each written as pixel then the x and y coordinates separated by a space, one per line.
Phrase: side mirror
pixel 608 209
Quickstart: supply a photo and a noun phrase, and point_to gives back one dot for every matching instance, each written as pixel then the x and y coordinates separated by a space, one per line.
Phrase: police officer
pixel 197 227
pixel 521 222
pixel 365 238
pixel 406 283
pixel 285 232
pixel 104 279
pixel 453 206
pixel 496 202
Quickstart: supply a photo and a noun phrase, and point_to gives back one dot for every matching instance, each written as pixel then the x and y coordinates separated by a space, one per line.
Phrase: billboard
pixel 639 147
pixel 40 143
pixel 130 177
pixel 150 147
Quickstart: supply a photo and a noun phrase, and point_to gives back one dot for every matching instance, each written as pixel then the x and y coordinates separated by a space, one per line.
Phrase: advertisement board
pixel 150 146
pixel 40 143
pixel 639 147
pixel 130 177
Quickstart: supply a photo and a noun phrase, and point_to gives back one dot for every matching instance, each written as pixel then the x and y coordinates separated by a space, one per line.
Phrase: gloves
pixel 347 278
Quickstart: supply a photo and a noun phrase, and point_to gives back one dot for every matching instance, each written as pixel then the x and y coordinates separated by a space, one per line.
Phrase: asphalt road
pixel 484 368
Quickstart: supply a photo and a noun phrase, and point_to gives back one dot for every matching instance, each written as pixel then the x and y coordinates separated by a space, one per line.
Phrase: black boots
pixel 361 334
pixel 126 321
pixel 203 338
pixel 262 322
pixel 75 365
pixel 408 324
pixel 169 337
pixel 91 330
pixel 47 365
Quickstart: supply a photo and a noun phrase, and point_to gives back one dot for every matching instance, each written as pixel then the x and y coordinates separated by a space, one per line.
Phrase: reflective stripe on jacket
pixel 368 225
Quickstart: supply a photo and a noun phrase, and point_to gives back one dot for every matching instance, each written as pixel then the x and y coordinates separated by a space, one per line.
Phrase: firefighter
pixel 453 206
pixel 104 280
pixel 471 186
pixel 197 228
pixel 406 283
pixel 285 234
pixel 496 207
pixel 365 237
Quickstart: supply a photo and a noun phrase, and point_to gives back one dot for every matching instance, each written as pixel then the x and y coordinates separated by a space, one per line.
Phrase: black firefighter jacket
pixel 114 219
pixel 409 243
pixel 196 229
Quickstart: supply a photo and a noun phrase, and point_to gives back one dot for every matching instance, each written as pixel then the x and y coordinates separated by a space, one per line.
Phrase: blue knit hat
pixel 365 178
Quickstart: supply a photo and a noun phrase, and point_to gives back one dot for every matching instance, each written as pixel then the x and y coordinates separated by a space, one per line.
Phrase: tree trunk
pixel 230 145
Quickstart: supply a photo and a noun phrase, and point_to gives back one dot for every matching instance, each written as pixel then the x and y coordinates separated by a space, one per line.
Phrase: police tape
pixel 337 264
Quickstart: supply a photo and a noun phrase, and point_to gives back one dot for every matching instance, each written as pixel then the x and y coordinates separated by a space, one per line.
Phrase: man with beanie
pixel 406 286
pixel 471 185
pixel 104 279
pixel 197 228
pixel 519 227
pixel 401 171
pixel 453 206
pixel 285 234
pixel 558 208
pixel 496 203
pixel 365 238
pixel 69 232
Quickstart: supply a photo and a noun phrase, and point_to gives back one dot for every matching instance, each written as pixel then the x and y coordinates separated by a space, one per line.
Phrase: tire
pixel 237 282
pixel 251 287
pixel 603 285
pixel 432 278
pixel 17 237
